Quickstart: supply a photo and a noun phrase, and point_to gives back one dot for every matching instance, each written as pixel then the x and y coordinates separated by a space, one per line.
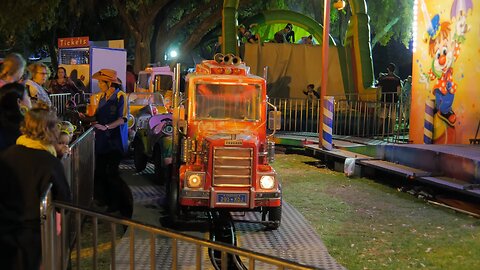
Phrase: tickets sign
pixel 73 42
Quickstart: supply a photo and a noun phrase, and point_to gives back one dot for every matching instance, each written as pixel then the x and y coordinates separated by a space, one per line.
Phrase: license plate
pixel 232 198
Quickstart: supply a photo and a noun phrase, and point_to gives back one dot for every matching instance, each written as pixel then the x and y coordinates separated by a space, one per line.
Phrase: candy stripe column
pixel 428 123
pixel 327 126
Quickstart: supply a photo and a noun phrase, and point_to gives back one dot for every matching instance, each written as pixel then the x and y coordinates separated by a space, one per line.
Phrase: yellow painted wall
pixel 454 124
pixel 291 67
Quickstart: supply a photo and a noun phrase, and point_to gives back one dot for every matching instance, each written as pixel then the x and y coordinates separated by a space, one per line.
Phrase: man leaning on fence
pixel 390 84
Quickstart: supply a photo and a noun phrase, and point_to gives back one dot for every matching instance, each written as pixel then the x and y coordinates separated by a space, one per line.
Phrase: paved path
pixel 295 240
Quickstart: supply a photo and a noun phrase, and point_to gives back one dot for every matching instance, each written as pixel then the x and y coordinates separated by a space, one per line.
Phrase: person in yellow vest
pixel 111 138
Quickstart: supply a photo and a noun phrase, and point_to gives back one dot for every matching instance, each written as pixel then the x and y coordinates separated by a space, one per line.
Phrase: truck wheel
pixel 275 215
pixel 173 207
pixel 163 172
pixel 157 161
pixel 139 158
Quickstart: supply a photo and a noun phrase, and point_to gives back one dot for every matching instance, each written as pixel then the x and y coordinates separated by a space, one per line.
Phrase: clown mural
pixel 442 69
pixel 444 50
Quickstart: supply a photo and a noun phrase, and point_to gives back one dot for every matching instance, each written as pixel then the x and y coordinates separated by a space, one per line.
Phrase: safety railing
pixel 179 244
pixel 79 168
pixel 365 116
pixel 59 101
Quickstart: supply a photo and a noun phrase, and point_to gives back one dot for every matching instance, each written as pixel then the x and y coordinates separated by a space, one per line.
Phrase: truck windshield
pixel 163 83
pixel 142 99
pixel 143 80
pixel 228 101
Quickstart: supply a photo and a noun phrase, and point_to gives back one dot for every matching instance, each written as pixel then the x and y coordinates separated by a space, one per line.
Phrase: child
pixel 311 93
pixel 66 134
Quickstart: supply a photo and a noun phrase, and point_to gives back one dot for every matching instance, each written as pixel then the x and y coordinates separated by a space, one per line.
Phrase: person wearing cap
pixel 111 138
pixel 290 35
pixel 281 36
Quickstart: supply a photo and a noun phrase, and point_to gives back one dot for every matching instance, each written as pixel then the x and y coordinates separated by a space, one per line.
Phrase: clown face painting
pixel 445 71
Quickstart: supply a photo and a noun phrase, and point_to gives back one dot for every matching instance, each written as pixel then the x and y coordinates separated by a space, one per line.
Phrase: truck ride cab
pixel 224 149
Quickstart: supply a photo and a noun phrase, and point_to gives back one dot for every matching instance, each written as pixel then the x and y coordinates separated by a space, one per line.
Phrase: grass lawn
pixel 370 225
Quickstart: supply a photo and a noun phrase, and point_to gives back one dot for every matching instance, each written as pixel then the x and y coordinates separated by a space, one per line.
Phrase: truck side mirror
pixel 274 120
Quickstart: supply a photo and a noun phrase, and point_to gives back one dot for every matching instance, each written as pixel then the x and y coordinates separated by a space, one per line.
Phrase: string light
pixel 415 25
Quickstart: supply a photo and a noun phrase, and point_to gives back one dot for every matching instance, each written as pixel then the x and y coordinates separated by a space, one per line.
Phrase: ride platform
pixel 454 167
pixel 295 240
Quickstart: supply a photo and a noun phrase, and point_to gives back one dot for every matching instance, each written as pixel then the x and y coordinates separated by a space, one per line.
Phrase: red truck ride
pixel 221 147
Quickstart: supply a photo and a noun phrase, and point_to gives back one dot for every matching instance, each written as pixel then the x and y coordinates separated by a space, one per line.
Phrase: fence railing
pixel 79 168
pixel 54 255
pixel 57 249
pixel 365 116
pixel 59 101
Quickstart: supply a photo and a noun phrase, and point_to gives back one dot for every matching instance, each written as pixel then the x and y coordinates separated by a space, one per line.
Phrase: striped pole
pixel 327 122
pixel 428 123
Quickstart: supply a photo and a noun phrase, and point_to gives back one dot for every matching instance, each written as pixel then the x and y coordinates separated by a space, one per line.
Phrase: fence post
pixel 327 125
pixel 428 122
pixel 47 226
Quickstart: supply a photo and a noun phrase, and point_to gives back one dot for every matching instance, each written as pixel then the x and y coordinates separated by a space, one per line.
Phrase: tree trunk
pixel 142 49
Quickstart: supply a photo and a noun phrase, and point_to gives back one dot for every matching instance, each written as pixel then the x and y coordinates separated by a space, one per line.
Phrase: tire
pixel 139 158
pixel 172 200
pixel 157 162
pixel 275 215
pixel 163 172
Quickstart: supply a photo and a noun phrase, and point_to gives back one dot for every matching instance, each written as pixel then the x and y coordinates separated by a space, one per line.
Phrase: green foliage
pixel 28 17
pixel 384 12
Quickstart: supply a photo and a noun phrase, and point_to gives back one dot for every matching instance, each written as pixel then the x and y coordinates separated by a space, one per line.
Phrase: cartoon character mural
pixel 444 50
pixel 444 41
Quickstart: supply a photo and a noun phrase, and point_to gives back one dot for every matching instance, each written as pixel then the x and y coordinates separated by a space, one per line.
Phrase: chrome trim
pixel 230 155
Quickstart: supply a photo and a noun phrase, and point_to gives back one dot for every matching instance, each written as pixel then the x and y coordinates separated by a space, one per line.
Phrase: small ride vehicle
pixel 151 129
pixel 221 148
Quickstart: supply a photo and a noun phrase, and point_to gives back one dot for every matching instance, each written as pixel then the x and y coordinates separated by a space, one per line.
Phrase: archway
pixel 357 51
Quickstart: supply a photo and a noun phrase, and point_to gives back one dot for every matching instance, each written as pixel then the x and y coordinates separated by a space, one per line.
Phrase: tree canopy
pixel 151 27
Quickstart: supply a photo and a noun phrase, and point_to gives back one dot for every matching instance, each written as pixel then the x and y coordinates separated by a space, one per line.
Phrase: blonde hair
pixel 35 67
pixel 41 124
pixel 11 65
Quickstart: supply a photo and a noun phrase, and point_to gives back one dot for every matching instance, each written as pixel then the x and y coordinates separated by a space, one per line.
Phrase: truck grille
pixel 232 166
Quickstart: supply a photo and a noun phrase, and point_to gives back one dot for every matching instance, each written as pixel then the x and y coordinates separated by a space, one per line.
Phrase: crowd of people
pixel 32 142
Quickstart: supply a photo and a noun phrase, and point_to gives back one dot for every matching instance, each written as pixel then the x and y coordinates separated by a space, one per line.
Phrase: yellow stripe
pixel 125 106
pixel 427 133
pixel 429 118
pixel 327 113
pixel 88 252
pixel 327 129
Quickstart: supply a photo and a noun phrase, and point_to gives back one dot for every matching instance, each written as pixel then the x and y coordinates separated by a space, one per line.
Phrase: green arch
pixel 359 31
pixel 287 16
pixel 358 36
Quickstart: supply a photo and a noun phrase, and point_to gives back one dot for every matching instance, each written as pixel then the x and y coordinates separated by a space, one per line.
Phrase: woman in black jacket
pixel 27 169
pixel 14 102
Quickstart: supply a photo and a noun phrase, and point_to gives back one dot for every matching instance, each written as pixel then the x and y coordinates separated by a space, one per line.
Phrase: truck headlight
pixel 267 182
pixel 195 179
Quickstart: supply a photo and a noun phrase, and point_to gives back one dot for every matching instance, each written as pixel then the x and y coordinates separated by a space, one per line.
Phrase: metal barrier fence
pixel 53 259
pixel 79 168
pixel 366 116
pixel 59 101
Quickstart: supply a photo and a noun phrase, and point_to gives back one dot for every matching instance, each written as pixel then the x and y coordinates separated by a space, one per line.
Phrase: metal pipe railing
pixel 366 116
pixel 49 250
pixel 79 168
